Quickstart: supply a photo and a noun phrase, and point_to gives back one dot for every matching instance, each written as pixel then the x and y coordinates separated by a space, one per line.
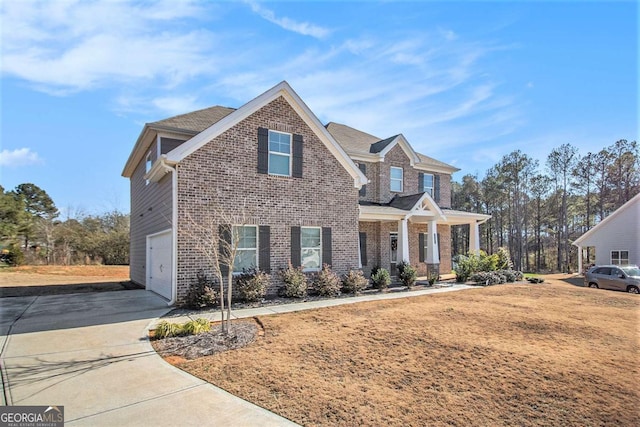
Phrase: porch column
pixel 403 240
pixel 579 259
pixel 474 237
pixel 432 256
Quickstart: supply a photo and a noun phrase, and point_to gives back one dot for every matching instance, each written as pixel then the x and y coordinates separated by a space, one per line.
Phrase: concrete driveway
pixel 90 354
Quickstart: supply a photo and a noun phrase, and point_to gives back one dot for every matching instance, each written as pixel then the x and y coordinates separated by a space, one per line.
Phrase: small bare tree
pixel 214 238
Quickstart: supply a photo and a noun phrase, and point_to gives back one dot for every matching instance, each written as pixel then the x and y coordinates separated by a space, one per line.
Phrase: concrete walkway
pixel 214 315
pixel 90 354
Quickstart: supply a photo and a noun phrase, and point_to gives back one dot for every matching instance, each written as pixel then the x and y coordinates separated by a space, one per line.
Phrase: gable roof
pixel 363 146
pixel 628 205
pixel 280 90
pixel 195 121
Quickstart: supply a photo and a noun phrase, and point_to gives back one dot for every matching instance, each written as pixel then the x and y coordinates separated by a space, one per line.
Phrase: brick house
pixel 296 191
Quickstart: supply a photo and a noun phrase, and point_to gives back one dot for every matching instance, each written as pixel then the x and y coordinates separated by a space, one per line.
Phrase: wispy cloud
pixel 64 46
pixel 19 157
pixel 303 28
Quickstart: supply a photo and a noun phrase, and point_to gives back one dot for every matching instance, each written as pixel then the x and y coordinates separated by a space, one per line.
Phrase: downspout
pixel 174 233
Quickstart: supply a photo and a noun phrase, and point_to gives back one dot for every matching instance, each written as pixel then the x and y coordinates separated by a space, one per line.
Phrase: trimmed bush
pixel 326 283
pixel 407 274
pixel 381 279
pixel 252 285
pixel 295 283
pixel 201 294
pixel 354 282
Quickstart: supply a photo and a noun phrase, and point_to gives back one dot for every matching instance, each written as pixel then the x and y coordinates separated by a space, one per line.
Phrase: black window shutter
pixel 295 246
pixel 436 188
pixel 363 189
pixel 439 250
pixel 297 156
pixel 326 245
pixel 224 238
pixel 264 251
pixel 263 150
pixel 420 182
pixel 363 248
pixel 421 253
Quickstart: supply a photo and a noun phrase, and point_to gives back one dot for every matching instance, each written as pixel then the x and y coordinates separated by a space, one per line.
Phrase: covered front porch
pixel 412 229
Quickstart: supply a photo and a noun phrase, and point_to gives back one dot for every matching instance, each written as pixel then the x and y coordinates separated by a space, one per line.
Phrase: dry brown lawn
pixel 527 355
pixel 31 280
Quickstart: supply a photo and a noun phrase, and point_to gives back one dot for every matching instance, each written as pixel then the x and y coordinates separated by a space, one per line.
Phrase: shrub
pixel 166 329
pixel 252 285
pixel 295 283
pixel 201 294
pixel 509 275
pixel 13 255
pixel 193 327
pixel 407 274
pixel 381 278
pixel 326 283
pixel 354 282
pixel 486 278
pixel 504 259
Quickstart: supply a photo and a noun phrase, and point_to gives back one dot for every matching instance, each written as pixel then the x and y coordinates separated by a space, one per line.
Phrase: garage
pixel 159 264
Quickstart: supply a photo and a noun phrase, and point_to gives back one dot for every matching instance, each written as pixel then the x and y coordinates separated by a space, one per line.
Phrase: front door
pixel 393 253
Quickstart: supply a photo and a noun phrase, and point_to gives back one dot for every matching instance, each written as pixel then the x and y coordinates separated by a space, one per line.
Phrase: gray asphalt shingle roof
pixel 195 121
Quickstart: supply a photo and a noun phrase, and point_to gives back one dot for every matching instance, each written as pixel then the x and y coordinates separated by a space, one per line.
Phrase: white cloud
pixel 67 46
pixel 303 28
pixel 19 157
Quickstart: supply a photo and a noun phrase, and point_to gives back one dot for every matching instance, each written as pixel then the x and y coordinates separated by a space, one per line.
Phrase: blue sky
pixel 465 82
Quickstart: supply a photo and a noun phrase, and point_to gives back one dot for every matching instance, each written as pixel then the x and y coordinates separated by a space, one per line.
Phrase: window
pixel 311 248
pixel 396 179
pixel 148 163
pixel 247 250
pixel 427 183
pixel 620 257
pixel 425 247
pixel 279 153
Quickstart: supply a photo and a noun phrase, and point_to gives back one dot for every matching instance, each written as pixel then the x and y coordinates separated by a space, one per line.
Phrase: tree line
pixel 31 231
pixel 539 210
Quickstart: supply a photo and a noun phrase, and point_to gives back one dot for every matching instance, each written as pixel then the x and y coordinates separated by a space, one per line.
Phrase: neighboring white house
pixel 616 238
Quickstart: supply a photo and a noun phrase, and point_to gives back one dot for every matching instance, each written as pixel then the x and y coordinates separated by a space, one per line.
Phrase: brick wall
pixel 222 176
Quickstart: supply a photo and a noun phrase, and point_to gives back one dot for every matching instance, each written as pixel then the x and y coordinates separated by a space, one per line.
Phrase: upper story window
pixel 148 163
pixel 427 183
pixel 279 153
pixel 620 257
pixel 246 237
pixel 311 248
pixel 396 179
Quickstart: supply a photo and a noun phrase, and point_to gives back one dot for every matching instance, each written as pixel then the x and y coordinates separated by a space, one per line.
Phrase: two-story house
pixel 289 188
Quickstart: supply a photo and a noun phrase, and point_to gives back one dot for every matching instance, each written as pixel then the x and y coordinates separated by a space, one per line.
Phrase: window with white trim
pixel 279 153
pixel 246 237
pixel 396 179
pixel 427 183
pixel 620 257
pixel 311 248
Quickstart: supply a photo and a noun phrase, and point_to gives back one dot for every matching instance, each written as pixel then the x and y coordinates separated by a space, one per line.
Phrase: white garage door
pixel 159 263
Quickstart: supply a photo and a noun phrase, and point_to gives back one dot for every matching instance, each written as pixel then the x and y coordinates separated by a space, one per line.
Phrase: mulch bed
pixel 241 334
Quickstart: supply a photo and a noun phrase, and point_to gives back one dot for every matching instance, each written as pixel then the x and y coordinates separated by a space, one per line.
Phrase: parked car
pixel 616 277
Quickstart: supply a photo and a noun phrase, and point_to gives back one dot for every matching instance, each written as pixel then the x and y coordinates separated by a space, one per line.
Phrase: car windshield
pixel 631 271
